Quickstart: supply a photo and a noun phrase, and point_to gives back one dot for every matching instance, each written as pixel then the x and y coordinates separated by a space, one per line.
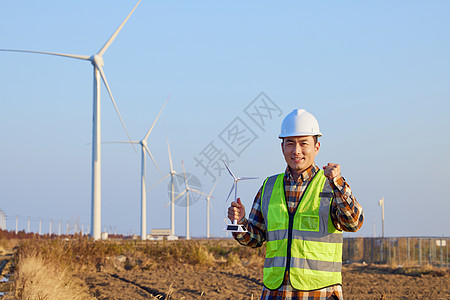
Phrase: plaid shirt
pixel 346 214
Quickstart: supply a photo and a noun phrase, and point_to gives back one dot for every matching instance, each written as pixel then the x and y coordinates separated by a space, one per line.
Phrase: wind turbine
pixel 172 174
pixel 187 191
pixel 208 204
pixel 381 203
pixel 97 62
pixel 144 149
pixel 235 227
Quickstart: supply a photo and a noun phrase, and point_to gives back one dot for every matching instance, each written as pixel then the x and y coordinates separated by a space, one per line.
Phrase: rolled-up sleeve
pixel 346 213
pixel 255 225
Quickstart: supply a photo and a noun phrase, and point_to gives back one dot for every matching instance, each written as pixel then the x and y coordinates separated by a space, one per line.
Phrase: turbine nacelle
pixel 97 60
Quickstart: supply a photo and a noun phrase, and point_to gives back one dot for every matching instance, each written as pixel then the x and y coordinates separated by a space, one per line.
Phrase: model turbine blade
pixel 83 57
pixel 231 173
pixel 231 191
pixel 247 178
pixel 234 187
pixel 157 117
pixel 114 35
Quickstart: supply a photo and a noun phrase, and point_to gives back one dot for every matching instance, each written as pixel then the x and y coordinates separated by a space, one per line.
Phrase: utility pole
pixel 381 203
pixel 374 231
pixel 420 251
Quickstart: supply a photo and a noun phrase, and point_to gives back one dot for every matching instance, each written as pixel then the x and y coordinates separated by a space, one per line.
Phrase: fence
pixel 41 225
pixel 397 250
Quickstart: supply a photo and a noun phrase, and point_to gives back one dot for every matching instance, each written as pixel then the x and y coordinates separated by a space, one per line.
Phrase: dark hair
pixel 316 139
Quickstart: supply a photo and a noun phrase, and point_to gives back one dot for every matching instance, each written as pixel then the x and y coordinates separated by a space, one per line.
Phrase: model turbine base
pixel 235 227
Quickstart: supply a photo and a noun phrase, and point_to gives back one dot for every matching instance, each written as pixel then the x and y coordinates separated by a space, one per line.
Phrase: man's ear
pixel 317 147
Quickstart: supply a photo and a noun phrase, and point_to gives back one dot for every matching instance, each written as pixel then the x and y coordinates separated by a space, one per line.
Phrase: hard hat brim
pixel 319 134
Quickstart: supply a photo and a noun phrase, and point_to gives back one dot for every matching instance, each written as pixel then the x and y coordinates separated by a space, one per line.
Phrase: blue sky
pixel 374 73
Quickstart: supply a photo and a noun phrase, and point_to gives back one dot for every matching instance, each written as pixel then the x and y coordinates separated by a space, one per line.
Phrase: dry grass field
pixel 197 269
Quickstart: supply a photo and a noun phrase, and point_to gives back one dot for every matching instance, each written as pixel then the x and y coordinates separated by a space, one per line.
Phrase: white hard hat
pixel 299 123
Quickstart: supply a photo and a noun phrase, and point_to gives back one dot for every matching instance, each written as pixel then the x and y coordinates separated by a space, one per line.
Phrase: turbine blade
pixel 83 57
pixel 153 159
pixel 161 180
pixel 114 35
pixel 212 207
pixel 210 193
pixel 114 102
pixel 170 156
pixel 157 117
pixel 179 195
pixel 197 191
pixel 231 173
pixel 167 204
pixel 179 175
pixel 121 142
pixel 184 172
pixel 231 191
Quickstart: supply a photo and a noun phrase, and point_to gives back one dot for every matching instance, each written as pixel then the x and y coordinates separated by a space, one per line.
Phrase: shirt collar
pixel 308 174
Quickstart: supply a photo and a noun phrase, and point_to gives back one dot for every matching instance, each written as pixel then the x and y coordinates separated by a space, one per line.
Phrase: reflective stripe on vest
pixel 316 245
pixel 309 264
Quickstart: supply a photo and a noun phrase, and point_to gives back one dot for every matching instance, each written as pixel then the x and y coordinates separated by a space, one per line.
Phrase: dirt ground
pixel 188 282
pixel 163 280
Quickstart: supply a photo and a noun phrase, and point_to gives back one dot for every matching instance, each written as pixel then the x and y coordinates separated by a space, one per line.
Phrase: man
pixel 300 214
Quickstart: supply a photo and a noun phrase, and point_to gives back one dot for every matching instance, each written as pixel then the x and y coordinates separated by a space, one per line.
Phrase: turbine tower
pixel 144 149
pixel 381 203
pixel 187 191
pixel 208 204
pixel 172 189
pixel 97 62
pixel 172 175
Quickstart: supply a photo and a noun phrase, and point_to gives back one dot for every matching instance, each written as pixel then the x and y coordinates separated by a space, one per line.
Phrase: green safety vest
pixel 305 243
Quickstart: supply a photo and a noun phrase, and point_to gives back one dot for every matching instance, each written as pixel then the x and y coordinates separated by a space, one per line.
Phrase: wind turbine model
pixel 144 149
pixel 97 62
pixel 235 227
pixel 187 191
